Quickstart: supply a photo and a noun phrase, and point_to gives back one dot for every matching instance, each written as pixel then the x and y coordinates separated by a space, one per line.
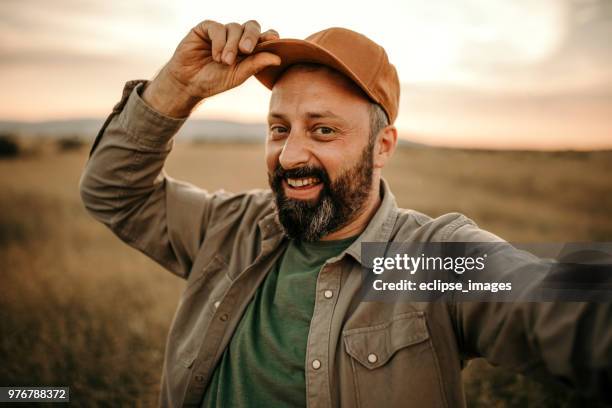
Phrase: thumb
pixel 255 63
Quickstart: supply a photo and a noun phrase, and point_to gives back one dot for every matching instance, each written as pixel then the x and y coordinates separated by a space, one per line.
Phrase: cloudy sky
pixel 485 73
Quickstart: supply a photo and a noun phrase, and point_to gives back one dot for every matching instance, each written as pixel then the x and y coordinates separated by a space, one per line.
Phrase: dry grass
pixel 79 308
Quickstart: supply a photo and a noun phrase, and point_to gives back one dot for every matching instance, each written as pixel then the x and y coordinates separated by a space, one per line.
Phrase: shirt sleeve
pixel 125 187
pixel 570 341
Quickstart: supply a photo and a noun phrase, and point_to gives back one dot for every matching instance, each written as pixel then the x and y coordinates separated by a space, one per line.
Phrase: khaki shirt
pixel 359 354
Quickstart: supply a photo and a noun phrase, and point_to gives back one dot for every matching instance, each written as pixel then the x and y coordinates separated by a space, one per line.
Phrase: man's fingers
pixel 249 36
pixel 255 63
pixel 231 40
pixel 234 33
pixel 214 33
pixel 269 35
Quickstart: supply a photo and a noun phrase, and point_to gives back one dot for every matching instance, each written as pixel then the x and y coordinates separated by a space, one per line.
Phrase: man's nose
pixel 295 152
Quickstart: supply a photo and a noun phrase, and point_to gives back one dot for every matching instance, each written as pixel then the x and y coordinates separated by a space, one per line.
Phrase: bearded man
pixel 271 313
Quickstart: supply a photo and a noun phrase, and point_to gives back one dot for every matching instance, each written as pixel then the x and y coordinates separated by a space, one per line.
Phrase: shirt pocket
pixel 394 363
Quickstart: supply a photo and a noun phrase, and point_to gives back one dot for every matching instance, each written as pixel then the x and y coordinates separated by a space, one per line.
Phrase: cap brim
pixel 293 51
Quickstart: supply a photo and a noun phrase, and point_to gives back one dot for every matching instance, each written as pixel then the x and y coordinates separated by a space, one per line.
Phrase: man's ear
pixel 386 142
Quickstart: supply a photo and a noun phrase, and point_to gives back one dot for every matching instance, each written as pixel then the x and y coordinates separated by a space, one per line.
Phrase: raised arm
pixel 124 185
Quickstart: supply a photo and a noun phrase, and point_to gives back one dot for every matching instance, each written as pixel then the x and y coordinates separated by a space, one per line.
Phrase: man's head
pixel 335 96
pixel 327 141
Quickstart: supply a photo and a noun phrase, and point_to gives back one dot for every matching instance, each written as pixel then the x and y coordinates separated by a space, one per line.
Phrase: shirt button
pixel 199 378
pixel 217 303
pixel 328 294
pixel 223 317
pixel 372 358
pixel 316 364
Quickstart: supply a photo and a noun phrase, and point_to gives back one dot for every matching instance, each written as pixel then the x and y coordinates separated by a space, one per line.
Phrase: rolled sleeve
pixel 144 125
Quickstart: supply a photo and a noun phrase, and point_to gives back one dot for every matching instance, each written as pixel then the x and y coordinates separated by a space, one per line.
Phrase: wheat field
pixel 81 309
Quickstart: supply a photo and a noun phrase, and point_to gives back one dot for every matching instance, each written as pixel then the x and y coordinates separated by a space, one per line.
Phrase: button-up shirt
pixel 359 354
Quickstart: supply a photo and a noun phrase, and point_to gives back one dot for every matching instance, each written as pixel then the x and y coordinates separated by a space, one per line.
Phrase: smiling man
pixel 321 194
pixel 272 314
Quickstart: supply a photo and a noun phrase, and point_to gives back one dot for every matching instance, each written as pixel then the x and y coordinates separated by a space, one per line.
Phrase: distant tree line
pixel 9 146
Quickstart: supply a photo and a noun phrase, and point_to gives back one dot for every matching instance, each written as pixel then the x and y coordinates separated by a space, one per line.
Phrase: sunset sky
pixel 484 73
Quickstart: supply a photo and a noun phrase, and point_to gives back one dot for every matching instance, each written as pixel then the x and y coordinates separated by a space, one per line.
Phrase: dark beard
pixel 339 202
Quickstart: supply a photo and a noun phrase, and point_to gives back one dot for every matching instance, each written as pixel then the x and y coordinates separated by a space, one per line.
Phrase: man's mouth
pixel 303 182
pixel 303 188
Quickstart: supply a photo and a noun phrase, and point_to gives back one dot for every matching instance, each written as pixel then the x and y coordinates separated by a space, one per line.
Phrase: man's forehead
pixel 310 114
pixel 304 74
pixel 318 88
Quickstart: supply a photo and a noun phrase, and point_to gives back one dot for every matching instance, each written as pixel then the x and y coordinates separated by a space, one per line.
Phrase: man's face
pixel 318 151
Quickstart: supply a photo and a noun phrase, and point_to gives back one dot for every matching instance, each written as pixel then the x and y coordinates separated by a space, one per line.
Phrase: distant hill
pixel 194 129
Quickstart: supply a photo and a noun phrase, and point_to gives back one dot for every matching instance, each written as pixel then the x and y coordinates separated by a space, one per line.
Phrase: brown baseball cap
pixel 351 53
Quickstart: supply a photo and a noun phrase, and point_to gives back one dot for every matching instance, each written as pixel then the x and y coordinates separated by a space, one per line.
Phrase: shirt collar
pixel 381 224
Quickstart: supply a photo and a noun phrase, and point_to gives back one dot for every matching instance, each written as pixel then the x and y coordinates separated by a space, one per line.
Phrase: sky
pixel 474 73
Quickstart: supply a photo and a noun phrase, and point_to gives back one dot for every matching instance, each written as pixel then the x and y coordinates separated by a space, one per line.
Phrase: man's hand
pixel 211 59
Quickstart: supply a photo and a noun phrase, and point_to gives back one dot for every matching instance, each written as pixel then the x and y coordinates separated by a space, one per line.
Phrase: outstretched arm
pixel 569 341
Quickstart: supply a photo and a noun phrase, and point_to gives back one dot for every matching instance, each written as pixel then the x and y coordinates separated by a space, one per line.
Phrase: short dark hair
pixel 378 117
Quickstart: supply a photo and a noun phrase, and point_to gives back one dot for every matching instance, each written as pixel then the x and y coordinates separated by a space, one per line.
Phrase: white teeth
pixel 302 181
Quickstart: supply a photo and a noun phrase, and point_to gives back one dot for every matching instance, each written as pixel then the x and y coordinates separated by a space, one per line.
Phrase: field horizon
pixel 81 309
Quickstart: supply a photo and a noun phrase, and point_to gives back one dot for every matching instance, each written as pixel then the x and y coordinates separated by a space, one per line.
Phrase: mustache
pixel 305 171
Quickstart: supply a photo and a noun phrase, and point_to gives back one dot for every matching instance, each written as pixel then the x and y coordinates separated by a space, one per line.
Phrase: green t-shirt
pixel 263 366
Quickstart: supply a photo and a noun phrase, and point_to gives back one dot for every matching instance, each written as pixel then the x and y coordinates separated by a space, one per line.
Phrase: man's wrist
pixel 167 98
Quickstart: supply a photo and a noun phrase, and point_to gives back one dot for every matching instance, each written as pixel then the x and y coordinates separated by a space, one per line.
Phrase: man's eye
pixel 324 130
pixel 278 131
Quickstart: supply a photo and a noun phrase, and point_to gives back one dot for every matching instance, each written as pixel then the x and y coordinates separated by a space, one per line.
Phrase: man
pixel 271 314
